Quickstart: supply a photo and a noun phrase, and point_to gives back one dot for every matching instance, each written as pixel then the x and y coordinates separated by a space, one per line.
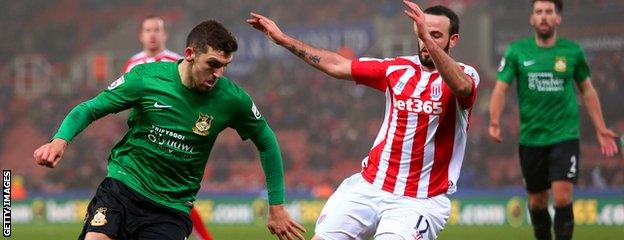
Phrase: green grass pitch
pixel 233 232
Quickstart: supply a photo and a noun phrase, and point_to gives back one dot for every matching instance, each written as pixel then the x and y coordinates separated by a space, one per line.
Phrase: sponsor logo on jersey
pixel 202 125
pixel 417 105
pixel 560 64
pixel 116 83
pixel 99 219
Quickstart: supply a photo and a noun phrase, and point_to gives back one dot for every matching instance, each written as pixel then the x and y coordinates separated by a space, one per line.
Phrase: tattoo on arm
pixel 315 59
pixel 303 54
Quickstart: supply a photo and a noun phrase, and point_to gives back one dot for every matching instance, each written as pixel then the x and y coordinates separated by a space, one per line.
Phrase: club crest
pixel 436 89
pixel 99 219
pixel 560 64
pixel 202 125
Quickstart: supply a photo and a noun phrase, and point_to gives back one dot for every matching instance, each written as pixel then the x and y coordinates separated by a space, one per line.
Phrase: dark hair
pixel 558 4
pixel 214 34
pixel 440 10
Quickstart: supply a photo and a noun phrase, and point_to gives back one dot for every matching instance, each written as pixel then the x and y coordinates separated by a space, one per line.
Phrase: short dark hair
pixel 440 10
pixel 214 34
pixel 558 4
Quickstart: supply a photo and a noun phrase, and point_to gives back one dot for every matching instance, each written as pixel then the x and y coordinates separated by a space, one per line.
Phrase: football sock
pixel 564 222
pixel 540 218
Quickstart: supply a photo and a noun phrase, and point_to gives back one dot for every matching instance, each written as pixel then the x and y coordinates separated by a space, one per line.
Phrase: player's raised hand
pixel 50 154
pixel 414 12
pixel 282 225
pixel 495 132
pixel 606 139
pixel 267 26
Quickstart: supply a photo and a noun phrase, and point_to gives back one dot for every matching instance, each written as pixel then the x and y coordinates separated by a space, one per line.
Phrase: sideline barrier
pixel 467 211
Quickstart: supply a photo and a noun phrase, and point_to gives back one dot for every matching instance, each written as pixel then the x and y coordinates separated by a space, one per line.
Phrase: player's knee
pixel 98 236
pixel 389 236
pixel 538 200
pixel 562 200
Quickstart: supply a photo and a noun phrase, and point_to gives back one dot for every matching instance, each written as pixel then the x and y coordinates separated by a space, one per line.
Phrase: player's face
pixel 439 30
pixel 545 19
pixel 153 35
pixel 206 68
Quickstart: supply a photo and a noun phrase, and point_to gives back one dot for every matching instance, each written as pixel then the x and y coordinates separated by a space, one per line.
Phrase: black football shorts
pixel 122 213
pixel 541 165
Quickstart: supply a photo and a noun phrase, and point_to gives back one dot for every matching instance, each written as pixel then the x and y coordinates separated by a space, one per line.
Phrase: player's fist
pixel 267 26
pixel 50 154
pixel 495 132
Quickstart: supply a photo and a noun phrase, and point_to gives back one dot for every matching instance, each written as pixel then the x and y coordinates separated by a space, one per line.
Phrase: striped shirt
pixel 140 58
pixel 420 146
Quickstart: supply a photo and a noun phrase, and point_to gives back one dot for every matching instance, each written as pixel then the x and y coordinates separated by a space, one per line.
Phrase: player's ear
pixel 453 40
pixel 189 54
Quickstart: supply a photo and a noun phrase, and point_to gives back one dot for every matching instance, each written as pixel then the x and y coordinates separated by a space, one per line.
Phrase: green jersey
pixel 171 131
pixel 546 96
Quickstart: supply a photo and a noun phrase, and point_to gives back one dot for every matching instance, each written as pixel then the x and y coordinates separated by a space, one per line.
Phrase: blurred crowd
pixel 325 126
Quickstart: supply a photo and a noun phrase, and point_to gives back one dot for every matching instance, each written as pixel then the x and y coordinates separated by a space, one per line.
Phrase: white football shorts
pixel 357 210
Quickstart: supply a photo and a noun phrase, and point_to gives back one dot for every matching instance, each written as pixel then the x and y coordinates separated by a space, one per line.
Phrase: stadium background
pixel 57 53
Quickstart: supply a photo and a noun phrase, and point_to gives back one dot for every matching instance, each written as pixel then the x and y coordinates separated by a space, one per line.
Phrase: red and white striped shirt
pixel 420 147
pixel 140 58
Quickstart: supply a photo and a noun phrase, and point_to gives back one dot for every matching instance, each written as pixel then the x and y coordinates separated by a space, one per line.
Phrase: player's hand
pixel 267 26
pixel 282 225
pixel 414 12
pixel 495 132
pixel 50 154
pixel 606 138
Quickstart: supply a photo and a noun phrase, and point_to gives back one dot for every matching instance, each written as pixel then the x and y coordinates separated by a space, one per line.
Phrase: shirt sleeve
pixel 122 94
pixel 468 101
pixel 581 70
pixel 248 120
pixel 370 72
pixel 272 164
pixel 508 67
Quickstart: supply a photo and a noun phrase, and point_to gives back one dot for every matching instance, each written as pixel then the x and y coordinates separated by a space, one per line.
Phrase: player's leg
pixel 200 232
pixel 412 218
pixel 104 218
pixel 350 212
pixel 534 165
pixel 564 169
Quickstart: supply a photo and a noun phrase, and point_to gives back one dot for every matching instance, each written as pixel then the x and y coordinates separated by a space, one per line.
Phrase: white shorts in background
pixel 357 210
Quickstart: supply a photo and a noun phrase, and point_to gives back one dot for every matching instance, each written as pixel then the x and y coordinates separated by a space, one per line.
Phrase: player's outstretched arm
pixel 329 62
pixel 460 84
pixel 282 225
pixel 497 104
pixel 50 154
pixel 606 137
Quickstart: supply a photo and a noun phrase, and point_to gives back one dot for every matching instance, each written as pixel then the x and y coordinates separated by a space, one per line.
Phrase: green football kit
pixel 172 130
